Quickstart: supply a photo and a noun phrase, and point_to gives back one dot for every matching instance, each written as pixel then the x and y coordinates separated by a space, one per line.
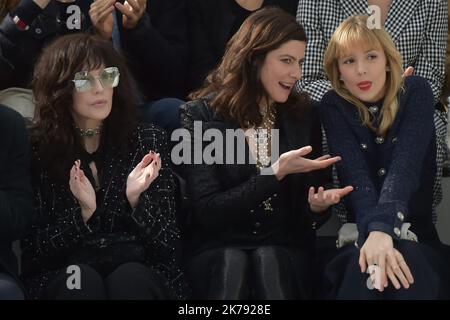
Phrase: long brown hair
pixel 236 82
pixel 6 6
pixel 53 129
pixel 354 30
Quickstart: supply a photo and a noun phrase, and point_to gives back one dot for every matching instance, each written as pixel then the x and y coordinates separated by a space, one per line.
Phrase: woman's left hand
pixel 132 11
pixel 323 199
pixel 378 251
pixel 142 176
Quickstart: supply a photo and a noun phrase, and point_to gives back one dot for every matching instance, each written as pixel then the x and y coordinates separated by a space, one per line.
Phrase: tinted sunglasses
pixel 84 81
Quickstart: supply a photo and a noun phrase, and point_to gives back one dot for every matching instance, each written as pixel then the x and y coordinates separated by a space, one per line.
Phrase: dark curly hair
pixel 52 132
pixel 236 83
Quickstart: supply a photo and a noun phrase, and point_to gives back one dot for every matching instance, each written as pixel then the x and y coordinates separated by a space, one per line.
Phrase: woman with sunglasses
pixel 105 223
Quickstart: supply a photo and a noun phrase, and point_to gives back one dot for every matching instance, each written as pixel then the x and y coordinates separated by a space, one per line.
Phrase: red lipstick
pixel 364 85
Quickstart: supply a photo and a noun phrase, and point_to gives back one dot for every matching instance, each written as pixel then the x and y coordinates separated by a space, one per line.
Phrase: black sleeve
pixel 215 205
pixel 17 47
pixel 158 46
pixel 201 54
pixel 54 229
pixel 15 187
pixel 154 217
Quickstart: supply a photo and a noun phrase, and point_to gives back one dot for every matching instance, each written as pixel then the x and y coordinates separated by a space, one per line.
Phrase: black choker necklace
pixel 89 132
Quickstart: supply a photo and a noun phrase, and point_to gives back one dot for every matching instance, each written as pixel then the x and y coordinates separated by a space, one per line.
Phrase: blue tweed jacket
pixel 393 175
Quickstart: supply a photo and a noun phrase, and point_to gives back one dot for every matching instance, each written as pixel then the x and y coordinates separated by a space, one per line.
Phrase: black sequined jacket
pixel 115 232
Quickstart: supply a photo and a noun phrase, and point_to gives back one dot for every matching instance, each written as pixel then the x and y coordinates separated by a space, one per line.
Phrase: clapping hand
pixel 132 11
pixel 101 13
pixel 142 176
pixel 82 190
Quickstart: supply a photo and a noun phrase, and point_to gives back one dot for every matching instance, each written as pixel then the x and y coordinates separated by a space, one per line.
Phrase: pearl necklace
pixel 262 136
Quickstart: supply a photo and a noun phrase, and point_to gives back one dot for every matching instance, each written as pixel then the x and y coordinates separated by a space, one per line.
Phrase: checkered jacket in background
pixel 419 30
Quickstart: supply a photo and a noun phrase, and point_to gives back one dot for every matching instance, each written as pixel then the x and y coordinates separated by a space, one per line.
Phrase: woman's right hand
pixel 294 162
pixel 101 14
pixel 82 189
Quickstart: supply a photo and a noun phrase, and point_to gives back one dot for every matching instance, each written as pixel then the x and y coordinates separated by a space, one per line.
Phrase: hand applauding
pixel 132 11
pixel 142 176
pixel 82 189
pixel 101 13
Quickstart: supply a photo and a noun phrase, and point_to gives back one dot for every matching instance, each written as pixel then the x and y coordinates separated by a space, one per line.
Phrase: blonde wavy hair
pixel 354 30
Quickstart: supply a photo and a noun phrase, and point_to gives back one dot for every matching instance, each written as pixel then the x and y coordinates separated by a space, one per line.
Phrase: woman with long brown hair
pixel 212 24
pixel 102 183
pixel 251 229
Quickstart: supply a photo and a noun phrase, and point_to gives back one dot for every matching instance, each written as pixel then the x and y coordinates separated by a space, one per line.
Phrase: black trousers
pixel 269 272
pixel 344 280
pixel 128 281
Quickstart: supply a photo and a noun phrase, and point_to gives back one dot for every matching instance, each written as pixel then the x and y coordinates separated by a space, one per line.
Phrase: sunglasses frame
pixel 86 76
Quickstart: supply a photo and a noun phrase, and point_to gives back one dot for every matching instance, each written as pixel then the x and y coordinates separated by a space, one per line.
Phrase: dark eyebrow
pixel 292 57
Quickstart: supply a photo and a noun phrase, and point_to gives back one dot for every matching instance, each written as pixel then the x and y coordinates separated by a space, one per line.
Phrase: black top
pixel 211 25
pixel 228 199
pixel 157 49
pixel 115 233
pixel 240 14
pixel 16 198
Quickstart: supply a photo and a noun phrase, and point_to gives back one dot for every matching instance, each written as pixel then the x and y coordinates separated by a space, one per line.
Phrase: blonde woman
pixel 381 124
